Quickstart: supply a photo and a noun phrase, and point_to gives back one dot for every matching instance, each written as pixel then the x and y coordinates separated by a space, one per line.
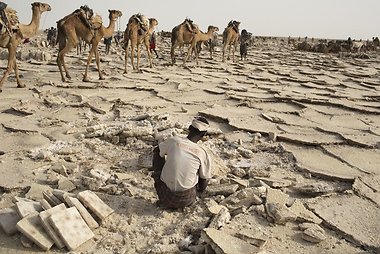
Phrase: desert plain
pixel 299 129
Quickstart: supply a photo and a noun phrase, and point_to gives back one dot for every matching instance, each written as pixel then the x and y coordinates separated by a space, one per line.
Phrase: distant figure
pixel 52 36
pixel 376 42
pixel 244 41
pixel 107 42
pixel 349 41
pixel 118 37
pixel 152 44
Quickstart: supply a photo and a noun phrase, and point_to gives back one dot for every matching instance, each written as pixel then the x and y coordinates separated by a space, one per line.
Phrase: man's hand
pixel 158 162
pixel 202 184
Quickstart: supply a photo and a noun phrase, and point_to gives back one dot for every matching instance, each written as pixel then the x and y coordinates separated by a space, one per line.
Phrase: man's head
pixel 198 128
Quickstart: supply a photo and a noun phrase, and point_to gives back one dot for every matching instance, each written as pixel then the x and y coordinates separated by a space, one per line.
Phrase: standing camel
pixel 230 38
pixel 199 38
pixel 24 31
pixel 139 30
pixel 74 27
pixel 182 34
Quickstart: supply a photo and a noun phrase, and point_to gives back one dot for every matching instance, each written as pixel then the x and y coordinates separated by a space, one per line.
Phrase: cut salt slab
pixel 91 222
pixel 225 243
pixel 70 226
pixel 25 208
pixel 31 227
pixel 95 204
pixel 8 220
pixel 49 229
pixel 35 191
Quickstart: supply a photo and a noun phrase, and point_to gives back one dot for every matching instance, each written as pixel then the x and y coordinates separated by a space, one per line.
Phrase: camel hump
pixel 141 19
pixel 234 24
pixel 190 26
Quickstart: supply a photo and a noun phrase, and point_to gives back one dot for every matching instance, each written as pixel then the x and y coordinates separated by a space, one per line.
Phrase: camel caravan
pixel 81 28
pixel 337 46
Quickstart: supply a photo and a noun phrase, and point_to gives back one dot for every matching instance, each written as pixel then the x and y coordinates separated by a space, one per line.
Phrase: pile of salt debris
pixel 60 218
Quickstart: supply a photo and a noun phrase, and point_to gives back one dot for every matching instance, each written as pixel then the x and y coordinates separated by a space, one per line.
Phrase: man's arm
pixel 158 162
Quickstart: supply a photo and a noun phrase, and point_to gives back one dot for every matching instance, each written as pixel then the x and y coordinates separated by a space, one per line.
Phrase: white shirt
pixel 185 161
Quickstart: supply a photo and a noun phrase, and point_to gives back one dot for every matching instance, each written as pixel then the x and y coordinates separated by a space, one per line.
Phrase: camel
pixel 24 31
pixel 74 27
pixel 182 34
pixel 230 38
pixel 139 30
pixel 199 38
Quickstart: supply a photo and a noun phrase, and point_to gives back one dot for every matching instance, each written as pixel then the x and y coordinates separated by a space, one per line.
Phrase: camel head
pixel 213 29
pixel 114 14
pixel 153 22
pixel 41 7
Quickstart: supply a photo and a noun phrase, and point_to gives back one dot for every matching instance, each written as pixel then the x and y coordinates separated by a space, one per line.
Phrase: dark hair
pixel 194 130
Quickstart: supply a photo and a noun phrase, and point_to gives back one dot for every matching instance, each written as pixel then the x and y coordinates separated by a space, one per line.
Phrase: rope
pixel 43 23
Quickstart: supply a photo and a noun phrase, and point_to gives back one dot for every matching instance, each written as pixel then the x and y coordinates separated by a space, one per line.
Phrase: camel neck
pixel 108 31
pixel 31 29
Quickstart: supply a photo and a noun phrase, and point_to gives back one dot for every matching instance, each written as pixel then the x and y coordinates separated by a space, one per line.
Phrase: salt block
pixel 53 200
pixel 71 228
pixel 95 204
pixel 35 191
pixel 32 228
pixel 45 205
pixel 91 222
pixel 60 194
pixel 224 243
pixel 49 229
pixel 25 208
pixel 8 220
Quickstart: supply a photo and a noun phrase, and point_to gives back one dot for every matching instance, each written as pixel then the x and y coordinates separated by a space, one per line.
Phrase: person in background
pixel 182 167
pixel 107 42
pixel 153 43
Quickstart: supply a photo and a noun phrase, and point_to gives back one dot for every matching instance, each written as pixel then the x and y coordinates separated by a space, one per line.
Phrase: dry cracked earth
pixel 295 138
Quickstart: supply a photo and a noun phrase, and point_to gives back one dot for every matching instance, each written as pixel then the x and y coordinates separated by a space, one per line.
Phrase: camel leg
pixel 98 63
pixel 19 84
pixel 189 52
pixel 126 58
pixel 89 59
pixel 138 57
pixel 224 51
pixel 196 56
pixel 133 56
pixel 66 47
pixel 229 52
pixel 233 52
pixel 10 66
pixel 147 46
pixel 172 55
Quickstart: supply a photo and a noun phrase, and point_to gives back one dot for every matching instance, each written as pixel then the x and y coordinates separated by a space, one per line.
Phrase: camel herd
pixel 83 26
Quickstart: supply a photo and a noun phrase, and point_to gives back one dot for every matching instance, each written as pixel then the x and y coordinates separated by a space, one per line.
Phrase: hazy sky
pixel 313 18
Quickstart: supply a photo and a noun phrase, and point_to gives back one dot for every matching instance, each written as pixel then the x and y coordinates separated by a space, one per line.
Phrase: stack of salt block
pixel 60 218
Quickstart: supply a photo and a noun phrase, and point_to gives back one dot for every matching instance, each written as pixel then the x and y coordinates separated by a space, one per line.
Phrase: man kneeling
pixel 182 167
